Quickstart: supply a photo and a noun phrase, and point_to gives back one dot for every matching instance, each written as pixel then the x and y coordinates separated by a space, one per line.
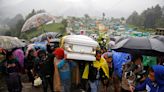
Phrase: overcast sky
pixel 112 8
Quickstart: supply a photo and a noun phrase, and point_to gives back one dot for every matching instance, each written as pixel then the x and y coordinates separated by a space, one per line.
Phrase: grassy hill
pixel 55 27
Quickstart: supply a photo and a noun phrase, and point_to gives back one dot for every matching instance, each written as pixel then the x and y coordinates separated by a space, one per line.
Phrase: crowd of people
pixel 65 75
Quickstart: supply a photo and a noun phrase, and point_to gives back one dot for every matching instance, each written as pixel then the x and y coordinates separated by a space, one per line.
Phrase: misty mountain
pixel 13 21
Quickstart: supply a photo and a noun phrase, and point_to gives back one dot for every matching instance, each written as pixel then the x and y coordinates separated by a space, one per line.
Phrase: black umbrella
pixel 159 37
pixel 141 45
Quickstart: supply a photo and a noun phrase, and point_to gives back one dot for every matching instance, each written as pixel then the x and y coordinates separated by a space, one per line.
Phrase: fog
pixel 112 8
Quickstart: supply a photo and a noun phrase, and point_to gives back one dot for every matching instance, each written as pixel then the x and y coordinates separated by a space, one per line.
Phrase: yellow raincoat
pixel 62 42
pixel 97 64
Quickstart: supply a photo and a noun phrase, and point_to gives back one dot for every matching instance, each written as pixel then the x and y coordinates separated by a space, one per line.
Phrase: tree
pixel 122 18
pixel 65 23
pixel 15 24
pixel 150 18
pixel 160 22
pixel 19 26
pixel 112 18
pixel 162 11
pixel 40 11
pixel 33 12
pixel 12 22
pixel 134 19
pixel 87 17
pixel 103 14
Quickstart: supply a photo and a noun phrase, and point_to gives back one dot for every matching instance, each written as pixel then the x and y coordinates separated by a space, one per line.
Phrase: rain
pixel 81 45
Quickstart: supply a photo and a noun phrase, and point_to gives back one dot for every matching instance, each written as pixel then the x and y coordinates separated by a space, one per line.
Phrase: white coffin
pixel 80 47
pixel 79 56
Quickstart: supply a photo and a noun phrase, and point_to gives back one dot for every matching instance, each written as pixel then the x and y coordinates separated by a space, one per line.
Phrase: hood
pixel 120 58
pixel 19 54
pixel 159 74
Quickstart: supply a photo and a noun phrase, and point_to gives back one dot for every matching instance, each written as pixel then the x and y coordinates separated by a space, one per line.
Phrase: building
pixel 159 31
pixel 58 19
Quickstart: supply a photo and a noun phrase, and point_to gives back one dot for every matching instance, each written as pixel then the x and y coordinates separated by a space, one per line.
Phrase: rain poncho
pixel 158 85
pixel 19 54
pixel 97 64
pixel 40 45
pixel 119 59
pixel 159 74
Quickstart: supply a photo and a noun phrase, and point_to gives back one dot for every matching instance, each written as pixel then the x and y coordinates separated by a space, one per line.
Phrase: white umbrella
pixel 37 20
pixel 8 42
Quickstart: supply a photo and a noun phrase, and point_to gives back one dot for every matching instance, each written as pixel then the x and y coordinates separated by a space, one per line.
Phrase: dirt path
pixel 27 87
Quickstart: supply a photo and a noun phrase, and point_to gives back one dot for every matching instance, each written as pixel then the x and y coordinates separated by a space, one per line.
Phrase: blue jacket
pixel 65 69
pixel 158 85
pixel 120 58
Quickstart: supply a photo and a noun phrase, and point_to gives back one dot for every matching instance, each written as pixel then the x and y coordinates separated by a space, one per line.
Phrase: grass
pixel 55 27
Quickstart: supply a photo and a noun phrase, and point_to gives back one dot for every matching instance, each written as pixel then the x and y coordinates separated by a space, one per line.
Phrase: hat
pixel 59 52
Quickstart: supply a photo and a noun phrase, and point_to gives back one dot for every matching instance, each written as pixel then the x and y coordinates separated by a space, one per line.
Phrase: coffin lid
pixel 80 40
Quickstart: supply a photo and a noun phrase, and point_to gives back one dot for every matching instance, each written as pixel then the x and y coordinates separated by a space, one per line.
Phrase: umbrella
pixel 116 39
pixel 161 38
pixel 7 42
pixel 44 36
pixel 33 39
pixel 140 45
pixel 36 21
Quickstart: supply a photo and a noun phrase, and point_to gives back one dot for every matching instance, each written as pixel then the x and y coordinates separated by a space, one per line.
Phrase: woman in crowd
pixel 29 64
pixel 44 68
pixel 13 78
